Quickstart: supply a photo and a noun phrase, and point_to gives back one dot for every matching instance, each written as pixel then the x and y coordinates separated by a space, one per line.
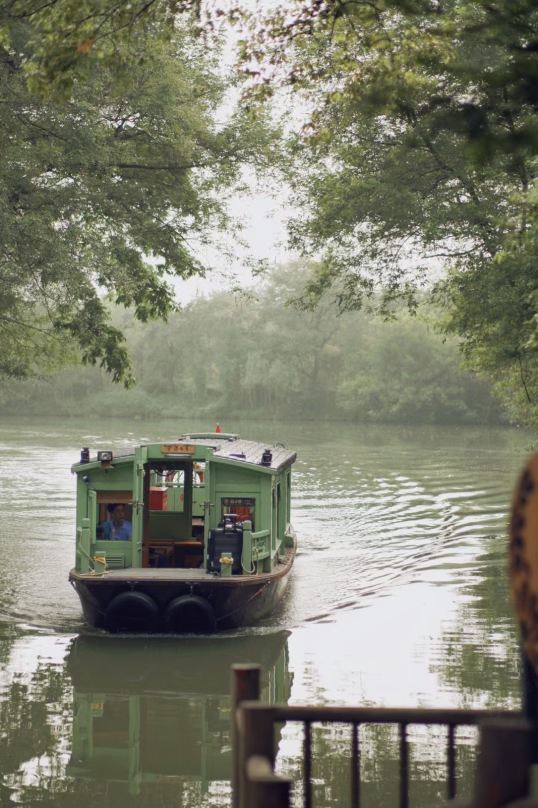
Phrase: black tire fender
pixel 131 612
pixel 190 614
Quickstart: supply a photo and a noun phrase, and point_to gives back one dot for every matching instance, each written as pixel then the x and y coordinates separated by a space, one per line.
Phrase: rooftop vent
pixel 267 457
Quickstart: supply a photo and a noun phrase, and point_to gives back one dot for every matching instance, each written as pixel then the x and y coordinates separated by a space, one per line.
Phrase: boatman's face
pixel 118 515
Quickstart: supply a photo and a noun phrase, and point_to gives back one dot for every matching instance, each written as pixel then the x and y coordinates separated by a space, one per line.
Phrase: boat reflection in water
pixel 153 716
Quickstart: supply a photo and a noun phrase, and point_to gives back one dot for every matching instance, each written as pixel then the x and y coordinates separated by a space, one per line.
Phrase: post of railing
pixel 245 687
pixel 355 766
pixel 530 701
pixel 503 768
pixel 256 740
pixel 267 789
pixel 451 761
pixel 404 766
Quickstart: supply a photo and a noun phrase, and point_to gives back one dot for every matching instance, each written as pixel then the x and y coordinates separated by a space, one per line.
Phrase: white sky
pixel 264 218
pixel 264 213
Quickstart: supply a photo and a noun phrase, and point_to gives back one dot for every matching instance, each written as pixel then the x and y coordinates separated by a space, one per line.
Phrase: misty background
pixel 254 353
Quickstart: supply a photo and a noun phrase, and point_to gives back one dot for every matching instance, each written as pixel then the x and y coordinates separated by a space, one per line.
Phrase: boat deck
pixel 154 574
pixel 179 573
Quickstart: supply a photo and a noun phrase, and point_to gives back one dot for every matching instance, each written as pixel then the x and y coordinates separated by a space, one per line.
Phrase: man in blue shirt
pixel 117 527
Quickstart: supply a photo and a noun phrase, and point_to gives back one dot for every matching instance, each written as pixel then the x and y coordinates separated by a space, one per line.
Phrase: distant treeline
pixel 239 354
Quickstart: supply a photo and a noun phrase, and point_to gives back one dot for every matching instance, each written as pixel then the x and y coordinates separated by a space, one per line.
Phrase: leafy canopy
pixel 63 36
pixel 110 188
pixel 418 158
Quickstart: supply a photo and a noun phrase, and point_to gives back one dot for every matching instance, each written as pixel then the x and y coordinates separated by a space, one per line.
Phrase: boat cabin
pixel 207 501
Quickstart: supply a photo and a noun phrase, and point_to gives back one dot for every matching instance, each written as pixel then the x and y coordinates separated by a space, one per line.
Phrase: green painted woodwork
pixel 248 562
pixel 169 525
pixel 118 554
pixel 84 545
pixel 190 505
pixel 198 499
pixel 140 460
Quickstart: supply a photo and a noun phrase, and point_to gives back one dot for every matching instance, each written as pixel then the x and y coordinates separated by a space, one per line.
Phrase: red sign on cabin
pixel 243 507
pixel 157 498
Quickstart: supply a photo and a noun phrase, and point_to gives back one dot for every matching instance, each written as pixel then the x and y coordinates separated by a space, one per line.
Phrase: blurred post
pixel 529 686
pixel 245 687
pixel 503 769
pixel 256 745
pixel 267 789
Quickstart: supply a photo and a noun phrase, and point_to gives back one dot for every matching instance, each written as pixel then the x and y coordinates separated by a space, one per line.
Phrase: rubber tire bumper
pixel 190 614
pixel 132 612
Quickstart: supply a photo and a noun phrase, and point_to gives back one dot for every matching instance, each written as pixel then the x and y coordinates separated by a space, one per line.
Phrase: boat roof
pixel 228 447
pixel 249 451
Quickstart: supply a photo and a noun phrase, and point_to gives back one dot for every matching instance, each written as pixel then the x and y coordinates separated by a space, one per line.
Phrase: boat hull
pixel 222 602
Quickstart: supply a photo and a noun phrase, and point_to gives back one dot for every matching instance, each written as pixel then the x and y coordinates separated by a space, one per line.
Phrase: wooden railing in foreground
pixel 255 784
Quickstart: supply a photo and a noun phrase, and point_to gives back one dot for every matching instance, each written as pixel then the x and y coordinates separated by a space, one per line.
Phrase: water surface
pixel 398 597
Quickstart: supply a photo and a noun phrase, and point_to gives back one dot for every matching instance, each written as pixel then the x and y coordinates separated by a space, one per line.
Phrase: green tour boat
pixel 189 536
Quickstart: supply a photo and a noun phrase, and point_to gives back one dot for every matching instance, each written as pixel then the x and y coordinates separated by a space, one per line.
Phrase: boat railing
pixel 256 545
pixel 256 784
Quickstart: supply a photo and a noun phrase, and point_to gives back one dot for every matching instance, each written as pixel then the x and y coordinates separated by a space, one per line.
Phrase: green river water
pixel 398 597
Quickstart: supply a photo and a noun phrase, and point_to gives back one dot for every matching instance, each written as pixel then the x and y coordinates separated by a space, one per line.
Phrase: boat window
pixel 243 507
pixel 114 521
pixel 198 476
pixel 114 512
pixel 167 492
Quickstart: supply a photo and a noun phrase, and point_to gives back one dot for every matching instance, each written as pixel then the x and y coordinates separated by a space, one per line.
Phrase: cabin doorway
pixel 170 539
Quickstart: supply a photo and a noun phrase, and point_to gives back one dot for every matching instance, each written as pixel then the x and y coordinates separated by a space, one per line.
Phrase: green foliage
pixel 67 37
pixel 418 157
pixel 106 190
pixel 495 309
pixel 259 357
pixel 471 64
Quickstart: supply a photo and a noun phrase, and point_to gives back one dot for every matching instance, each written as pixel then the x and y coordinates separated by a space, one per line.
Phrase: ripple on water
pixel 371 533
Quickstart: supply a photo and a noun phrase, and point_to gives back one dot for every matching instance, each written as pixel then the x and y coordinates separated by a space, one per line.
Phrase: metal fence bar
pixel 307 769
pixel 404 766
pixel 451 762
pixel 355 767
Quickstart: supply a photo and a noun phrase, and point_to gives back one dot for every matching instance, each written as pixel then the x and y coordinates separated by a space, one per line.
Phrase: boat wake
pixel 372 534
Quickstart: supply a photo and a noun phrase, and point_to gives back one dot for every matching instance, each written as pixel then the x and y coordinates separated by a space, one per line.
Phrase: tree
pixel 382 51
pixel 66 37
pixel 253 355
pixel 418 156
pixel 495 309
pixel 110 189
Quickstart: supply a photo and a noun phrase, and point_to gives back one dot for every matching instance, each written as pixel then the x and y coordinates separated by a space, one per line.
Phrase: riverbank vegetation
pixel 255 356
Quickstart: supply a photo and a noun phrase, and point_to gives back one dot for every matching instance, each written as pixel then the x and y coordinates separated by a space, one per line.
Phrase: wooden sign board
pixel 523 557
pixel 177 448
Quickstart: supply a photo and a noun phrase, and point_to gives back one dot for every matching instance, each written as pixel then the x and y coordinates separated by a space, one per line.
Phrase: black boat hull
pixel 193 603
